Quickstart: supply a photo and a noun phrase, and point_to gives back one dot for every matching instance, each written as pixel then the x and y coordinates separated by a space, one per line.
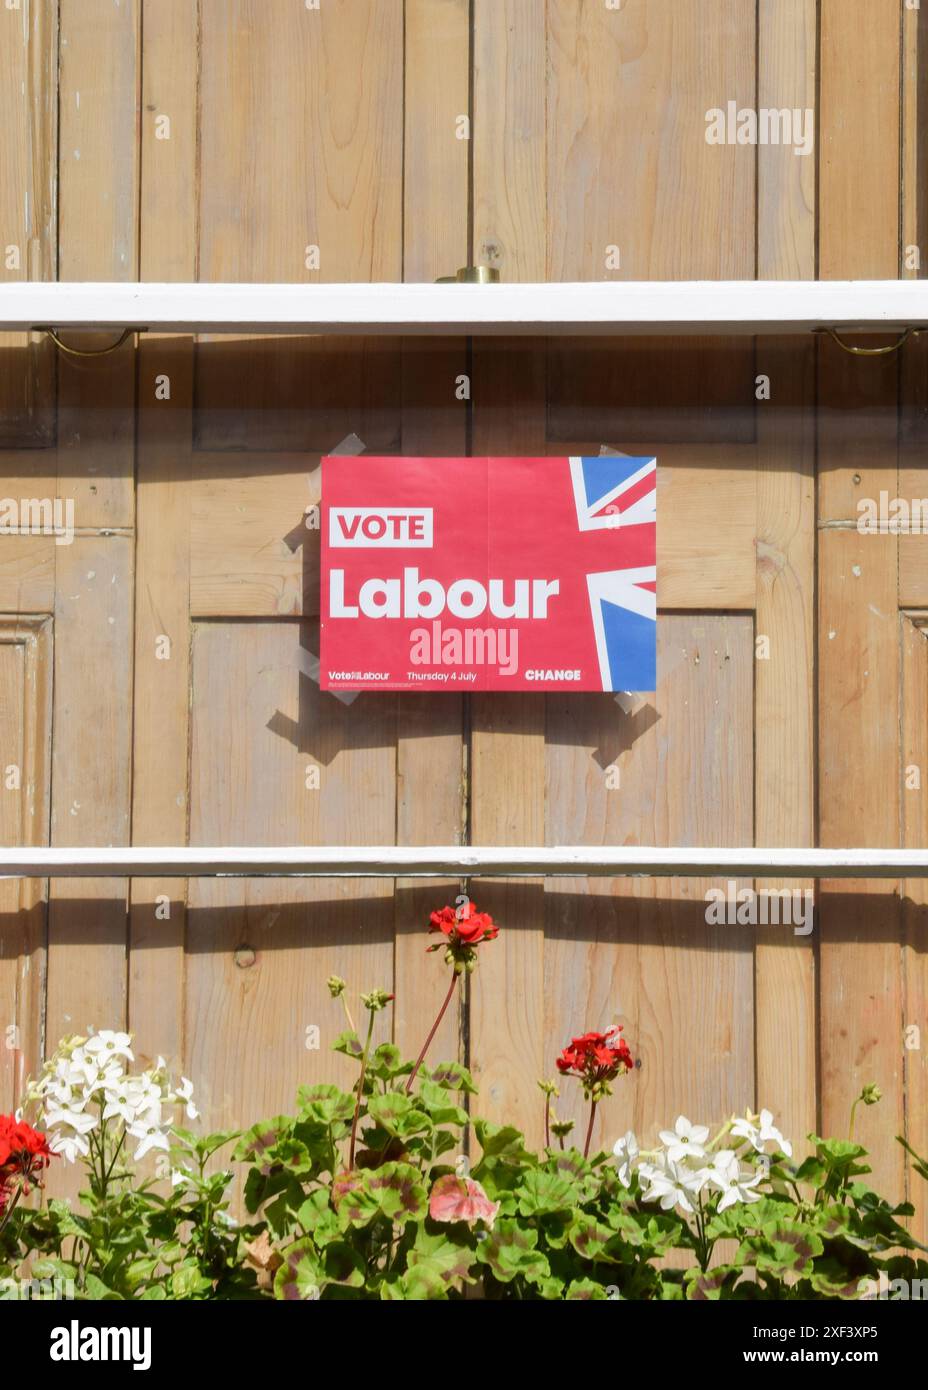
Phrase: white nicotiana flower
pixel 626 1154
pixel 74 1116
pixel 672 1184
pixel 685 1141
pixel 180 1177
pixel 758 1135
pixel 106 1045
pixel 70 1146
pixel 147 1128
pixel 185 1093
pixel 725 1174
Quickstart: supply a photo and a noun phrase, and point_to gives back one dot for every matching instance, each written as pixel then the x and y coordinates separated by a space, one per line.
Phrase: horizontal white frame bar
pixel 598 307
pixel 456 861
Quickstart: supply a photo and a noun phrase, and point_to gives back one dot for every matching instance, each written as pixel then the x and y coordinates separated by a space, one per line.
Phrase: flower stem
pixel 357 1104
pixel 589 1129
pixel 547 1119
pixel 434 1030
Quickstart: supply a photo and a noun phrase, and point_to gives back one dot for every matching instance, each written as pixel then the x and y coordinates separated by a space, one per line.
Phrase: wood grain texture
pixel 25 730
pixel 91 788
pixel 301 140
pixel 785 984
pixel 677 770
pixel 164 444
pixel 160 734
pixel 915 902
pixel 259 951
pixel 168 152
pixel 507 795
pixel 859 124
pixel 28 194
pixel 860 990
pixel 98 169
pixel 436 93
pixel 509 134
pixel 859 777
pixel 627 170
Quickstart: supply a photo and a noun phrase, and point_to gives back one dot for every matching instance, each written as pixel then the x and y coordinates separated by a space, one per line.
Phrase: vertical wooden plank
pixel 436 92
pixel 860 989
pixel 861 985
pixel 99 140
pixel 28 189
pixel 260 950
pixel 785 1003
pixel 509 134
pixel 507 791
pixel 624 172
pixel 12 755
pixel 629 166
pixel 302 133
pixel 91 786
pixel 163 506
pixel 91 794
pixel 507 755
pixel 168 154
pixel 301 152
pixel 915 903
pixel 429 749
pixel 859 151
pixel 643 954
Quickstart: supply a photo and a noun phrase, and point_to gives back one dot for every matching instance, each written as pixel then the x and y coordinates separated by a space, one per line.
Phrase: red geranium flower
pixel 597 1059
pixel 463 929
pixel 24 1152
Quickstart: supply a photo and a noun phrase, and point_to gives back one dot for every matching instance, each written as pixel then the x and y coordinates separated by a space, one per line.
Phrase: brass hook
pixel 871 351
pixel 89 352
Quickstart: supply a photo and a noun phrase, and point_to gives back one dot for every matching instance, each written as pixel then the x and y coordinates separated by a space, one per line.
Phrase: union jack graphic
pixel 611 493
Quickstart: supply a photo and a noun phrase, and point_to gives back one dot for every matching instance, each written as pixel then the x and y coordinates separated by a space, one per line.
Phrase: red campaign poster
pixel 488 573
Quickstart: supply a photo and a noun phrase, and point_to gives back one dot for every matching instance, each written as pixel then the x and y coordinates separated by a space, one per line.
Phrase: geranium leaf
pixel 510 1250
pixel 398 1191
pixel 453 1077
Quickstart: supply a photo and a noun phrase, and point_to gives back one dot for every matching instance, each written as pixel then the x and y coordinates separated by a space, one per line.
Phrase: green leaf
pixel 318 1219
pixel 434 1099
pixel 325 1104
pixel 387 1063
pixel 350 1044
pixel 785 1247
pixel 187 1281
pixel 353 1200
pixel 398 1191
pixel 300 1277
pixel 453 1077
pixel 585 1290
pixel 593 1240
pixel 258 1143
pixel 435 1264
pixel 95 1288
pixel 501 1141
pixel 398 1114
pixel 711 1285
pixel 831 1279
pixel 540 1193
pixel 509 1250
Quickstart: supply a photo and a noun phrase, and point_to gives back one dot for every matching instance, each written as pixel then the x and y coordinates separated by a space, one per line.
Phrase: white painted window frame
pixel 456 861
pixel 600 307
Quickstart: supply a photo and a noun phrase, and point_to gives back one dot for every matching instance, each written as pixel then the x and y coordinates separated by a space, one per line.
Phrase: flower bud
pixel 336 985
pixel 375 1001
